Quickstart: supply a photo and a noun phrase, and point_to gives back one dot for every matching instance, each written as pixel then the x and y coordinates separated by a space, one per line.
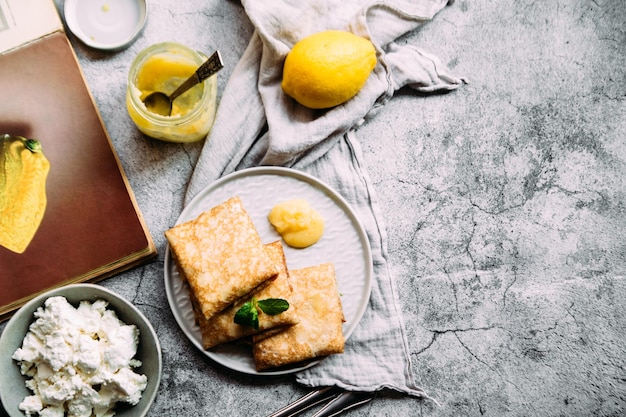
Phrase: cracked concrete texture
pixel 504 202
pixel 512 268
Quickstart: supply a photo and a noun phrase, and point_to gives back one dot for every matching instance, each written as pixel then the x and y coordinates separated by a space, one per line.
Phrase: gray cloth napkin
pixel 257 124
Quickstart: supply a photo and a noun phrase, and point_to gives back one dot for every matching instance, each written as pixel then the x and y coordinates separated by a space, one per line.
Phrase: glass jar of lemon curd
pixel 163 67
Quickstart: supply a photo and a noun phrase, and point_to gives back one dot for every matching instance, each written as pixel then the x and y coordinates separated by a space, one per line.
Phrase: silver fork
pixel 338 400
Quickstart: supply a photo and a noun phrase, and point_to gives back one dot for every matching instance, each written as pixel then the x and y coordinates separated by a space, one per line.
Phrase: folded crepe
pixel 221 256
pixel 319 330
pixel 221 328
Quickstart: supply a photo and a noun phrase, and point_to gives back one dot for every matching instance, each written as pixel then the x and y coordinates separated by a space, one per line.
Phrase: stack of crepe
pixel 225 264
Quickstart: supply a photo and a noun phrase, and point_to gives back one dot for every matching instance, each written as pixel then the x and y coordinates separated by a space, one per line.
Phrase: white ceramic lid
pixel 106 24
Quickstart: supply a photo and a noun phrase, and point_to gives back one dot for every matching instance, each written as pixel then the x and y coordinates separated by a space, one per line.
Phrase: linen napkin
pixel 257 124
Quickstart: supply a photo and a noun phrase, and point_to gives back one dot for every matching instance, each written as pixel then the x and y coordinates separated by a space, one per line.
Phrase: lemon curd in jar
pixel 163 67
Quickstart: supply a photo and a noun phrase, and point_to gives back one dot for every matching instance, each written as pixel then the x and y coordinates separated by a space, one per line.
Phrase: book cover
pixel 91 227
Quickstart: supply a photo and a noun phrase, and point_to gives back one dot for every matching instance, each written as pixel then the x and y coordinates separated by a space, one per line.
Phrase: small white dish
pixel 108 25
pixel 12 388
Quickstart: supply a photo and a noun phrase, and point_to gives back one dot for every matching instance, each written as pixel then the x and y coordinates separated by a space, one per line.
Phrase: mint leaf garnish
pixel 248 314
pixel 273 306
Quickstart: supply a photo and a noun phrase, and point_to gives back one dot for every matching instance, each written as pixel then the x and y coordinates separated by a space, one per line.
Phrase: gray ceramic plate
pixel 12 388
pixel 344 243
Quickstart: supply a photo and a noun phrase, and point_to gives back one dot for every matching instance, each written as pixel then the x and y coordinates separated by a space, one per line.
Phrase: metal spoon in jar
pixel 161 103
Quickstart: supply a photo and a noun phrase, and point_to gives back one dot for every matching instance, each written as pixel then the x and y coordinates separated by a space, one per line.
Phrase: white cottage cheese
pixel 80 361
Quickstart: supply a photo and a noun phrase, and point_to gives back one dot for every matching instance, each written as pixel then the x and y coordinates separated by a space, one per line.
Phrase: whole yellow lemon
pixel 327 68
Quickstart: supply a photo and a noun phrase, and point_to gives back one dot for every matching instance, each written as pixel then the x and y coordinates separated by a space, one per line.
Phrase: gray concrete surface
pixel 504 201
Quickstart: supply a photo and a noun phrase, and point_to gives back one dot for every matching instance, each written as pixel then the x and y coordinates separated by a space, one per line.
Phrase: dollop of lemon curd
pixel 165 72
pixel 297 223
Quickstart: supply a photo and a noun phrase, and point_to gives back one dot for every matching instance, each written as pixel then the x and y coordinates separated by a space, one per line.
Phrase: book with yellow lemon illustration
pixel 67 212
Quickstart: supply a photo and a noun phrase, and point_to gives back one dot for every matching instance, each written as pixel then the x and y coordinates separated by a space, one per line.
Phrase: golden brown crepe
pixel 319 330
pixel 221 256
pixel 221 328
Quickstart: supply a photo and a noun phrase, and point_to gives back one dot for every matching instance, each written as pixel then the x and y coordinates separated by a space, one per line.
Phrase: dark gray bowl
pixel 12 388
